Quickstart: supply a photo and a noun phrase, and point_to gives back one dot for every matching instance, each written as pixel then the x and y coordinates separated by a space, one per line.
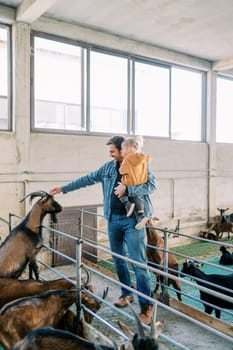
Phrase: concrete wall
pixel 186 188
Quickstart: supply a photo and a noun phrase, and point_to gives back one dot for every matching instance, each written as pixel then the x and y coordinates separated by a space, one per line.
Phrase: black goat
pixel 203 280
pixel 50 338
pixel 224 217
pixel 25 241
pixel 226 257
pixel 139 341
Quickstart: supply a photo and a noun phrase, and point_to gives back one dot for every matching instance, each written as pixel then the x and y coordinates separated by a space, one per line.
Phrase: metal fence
pixel 105 318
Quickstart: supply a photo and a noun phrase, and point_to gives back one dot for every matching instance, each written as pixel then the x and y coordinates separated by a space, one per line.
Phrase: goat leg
pixel 33 268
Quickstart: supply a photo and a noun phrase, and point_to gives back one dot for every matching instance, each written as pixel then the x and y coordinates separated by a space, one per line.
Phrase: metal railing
pixel 164 271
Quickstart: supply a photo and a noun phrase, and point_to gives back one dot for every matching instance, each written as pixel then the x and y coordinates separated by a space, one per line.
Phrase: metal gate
pixel 69 222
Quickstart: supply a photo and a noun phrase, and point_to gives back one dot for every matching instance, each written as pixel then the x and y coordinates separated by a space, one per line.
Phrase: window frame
pixel 9 78
pixel 203 102
pixel 115 54
pixel 85 102
pixel 227 78
pixel 32 79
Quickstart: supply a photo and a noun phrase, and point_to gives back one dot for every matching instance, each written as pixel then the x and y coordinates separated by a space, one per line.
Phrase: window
pixel 186 105
pixel 108 93
pixel 88 89
pixel 57 88
pixel 4 79
pixel 151 100
pixel 224 111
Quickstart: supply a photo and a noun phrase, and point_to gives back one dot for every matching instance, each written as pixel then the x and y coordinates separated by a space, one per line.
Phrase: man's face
pixel 115 153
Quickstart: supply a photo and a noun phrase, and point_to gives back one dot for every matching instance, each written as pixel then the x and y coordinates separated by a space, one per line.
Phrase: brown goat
pixel 156 257
pixel 50 338
pixel 24 315
pixel 220 228
pixel 12 289
pixel 25 241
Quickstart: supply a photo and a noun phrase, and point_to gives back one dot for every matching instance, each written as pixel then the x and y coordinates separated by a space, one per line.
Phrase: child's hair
pixel 135 144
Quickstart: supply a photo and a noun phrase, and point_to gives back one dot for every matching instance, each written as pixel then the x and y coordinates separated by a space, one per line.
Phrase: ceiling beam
pixel 30 10
pixel 7 15
pixel 222 65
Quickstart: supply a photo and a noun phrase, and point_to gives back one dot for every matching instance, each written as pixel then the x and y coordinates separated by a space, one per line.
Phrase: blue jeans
pixel 123 238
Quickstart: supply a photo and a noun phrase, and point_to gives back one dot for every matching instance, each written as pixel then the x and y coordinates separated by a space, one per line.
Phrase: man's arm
pixel 83 181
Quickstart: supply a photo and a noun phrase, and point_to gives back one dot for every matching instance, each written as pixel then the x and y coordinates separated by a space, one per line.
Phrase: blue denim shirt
pixel 106 175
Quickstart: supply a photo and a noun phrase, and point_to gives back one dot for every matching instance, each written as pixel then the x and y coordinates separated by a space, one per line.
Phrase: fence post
pixel 164 294
pixel 78 277
pixel 10 222
pixel 81 223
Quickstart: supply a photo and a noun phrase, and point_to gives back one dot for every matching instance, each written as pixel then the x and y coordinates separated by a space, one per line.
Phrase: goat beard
pixel 53 217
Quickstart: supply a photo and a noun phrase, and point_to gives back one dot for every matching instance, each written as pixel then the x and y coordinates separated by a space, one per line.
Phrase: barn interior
pixel 61 99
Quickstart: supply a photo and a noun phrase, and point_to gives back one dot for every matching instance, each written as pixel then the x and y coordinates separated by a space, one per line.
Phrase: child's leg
pixel 139 208
pixel 139 204
pixel 129 206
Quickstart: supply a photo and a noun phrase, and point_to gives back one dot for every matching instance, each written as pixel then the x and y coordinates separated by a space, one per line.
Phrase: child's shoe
pixel 129 207
pixel 142 220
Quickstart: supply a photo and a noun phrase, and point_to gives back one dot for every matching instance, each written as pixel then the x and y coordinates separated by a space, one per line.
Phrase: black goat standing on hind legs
pixel 25 241
pixel 217 281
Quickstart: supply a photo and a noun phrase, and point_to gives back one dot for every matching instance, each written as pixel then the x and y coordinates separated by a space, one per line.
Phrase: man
pixel 123 236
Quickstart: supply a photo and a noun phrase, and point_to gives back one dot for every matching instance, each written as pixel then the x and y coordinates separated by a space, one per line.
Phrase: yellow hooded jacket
pixel 134 169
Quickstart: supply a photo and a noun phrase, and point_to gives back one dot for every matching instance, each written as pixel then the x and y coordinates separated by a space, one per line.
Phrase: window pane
pixel 57 85
pixel 224 111
pixel 4 76
pixel 186 105
pixel 108 93
pixel 151 100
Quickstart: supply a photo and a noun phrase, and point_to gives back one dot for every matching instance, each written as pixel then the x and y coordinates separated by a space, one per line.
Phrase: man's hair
pixel 116 141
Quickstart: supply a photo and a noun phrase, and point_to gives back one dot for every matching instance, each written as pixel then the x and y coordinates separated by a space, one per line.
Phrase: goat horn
pixel 153 327
pixel 125 329
pixel 88 278
pixel 35 194
pixel 114 343
pixel 159 326
pixel 140 328
pixel 105 292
